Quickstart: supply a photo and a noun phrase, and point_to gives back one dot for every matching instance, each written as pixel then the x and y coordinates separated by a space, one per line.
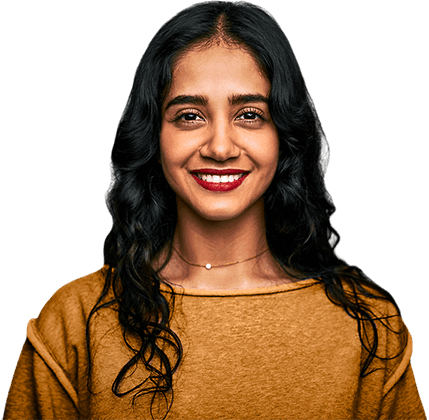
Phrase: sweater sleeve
pixel 36 391
pixel 401 398
pixel 50 378
pixel 402 401
pixel 388 390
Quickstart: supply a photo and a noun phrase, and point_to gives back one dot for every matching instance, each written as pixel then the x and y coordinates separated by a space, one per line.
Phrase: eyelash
pixel 259 114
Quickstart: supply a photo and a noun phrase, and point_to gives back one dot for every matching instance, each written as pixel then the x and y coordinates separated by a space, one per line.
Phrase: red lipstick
pixel 220 186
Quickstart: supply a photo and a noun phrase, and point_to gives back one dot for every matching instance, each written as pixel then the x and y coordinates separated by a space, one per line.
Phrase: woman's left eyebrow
pixel 235 99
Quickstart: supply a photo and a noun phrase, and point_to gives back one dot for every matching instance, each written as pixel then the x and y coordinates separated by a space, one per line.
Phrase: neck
pixel 220 243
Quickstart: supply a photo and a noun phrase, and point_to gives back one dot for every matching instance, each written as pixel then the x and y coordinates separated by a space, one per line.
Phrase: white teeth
pixel 219 179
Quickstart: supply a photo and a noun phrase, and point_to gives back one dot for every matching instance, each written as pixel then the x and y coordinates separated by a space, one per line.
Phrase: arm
pixel 36 392
pixel 402 401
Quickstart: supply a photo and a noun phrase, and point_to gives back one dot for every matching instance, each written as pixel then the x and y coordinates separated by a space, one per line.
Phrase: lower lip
pixel 220 186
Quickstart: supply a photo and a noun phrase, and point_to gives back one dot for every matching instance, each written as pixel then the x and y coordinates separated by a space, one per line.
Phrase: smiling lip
pixel 219 171
pixel 220 186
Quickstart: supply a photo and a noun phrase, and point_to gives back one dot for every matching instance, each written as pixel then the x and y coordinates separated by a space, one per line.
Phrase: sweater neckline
pixel 266 290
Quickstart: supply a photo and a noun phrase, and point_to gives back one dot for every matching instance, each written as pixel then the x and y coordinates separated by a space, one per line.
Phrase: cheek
pixel 165 156
pixel 268 154
pixel 168 147
pixel 173 156
pixel 177 147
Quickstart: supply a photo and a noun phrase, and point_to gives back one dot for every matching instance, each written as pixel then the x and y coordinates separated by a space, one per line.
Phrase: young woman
pixel 221 294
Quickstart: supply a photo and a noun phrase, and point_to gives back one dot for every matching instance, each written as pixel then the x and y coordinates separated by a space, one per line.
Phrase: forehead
pixel 218 70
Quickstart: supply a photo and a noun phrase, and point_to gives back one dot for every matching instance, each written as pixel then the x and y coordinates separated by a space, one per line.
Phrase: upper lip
pixel 219 171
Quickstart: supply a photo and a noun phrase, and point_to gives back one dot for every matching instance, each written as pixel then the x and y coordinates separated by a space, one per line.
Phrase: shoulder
pixel 76 297
pixel 58 335
pixel 368 296
pixel 394 343
pixel 63 318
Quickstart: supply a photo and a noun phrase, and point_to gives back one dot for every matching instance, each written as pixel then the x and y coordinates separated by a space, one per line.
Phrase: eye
pixel 188 117
pixel 251 116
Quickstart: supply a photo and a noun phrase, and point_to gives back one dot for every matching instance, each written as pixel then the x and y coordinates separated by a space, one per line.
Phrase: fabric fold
pixel 36 339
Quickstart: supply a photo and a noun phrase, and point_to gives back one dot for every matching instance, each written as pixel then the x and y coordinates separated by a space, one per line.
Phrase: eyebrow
pixel 236 99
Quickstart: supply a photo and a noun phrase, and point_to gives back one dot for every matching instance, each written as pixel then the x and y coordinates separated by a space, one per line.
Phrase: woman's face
pixel 219 146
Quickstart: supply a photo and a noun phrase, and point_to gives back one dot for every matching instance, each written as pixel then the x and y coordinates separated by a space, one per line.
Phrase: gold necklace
pixel 208 265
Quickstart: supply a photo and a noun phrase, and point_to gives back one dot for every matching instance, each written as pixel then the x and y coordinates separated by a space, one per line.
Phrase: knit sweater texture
pixel 278 352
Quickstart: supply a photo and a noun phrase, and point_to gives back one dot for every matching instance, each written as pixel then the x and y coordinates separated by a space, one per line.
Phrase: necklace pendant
pixel 208 266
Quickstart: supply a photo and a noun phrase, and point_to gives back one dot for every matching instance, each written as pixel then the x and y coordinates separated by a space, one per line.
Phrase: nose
pixel 221 143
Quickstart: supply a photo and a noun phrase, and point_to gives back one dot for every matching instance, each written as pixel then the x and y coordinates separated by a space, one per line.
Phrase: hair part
pixel 219 35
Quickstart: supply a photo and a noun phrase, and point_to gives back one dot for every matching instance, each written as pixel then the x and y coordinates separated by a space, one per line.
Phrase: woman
pixel 221 294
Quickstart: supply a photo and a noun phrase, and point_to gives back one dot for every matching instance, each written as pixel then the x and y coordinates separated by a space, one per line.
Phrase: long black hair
pixel 297 204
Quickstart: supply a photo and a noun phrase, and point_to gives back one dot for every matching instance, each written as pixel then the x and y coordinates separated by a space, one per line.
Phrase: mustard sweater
pixel 281 352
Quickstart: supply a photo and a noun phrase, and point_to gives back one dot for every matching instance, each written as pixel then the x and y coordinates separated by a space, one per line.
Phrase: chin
pixel 225 212
pixel 220 210
pixel 218 214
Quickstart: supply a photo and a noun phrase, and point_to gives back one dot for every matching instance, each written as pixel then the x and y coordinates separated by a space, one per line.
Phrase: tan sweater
pixel 281 352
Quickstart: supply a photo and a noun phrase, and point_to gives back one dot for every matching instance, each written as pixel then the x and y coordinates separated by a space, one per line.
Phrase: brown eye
pixel 251 116
pixel 188 117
